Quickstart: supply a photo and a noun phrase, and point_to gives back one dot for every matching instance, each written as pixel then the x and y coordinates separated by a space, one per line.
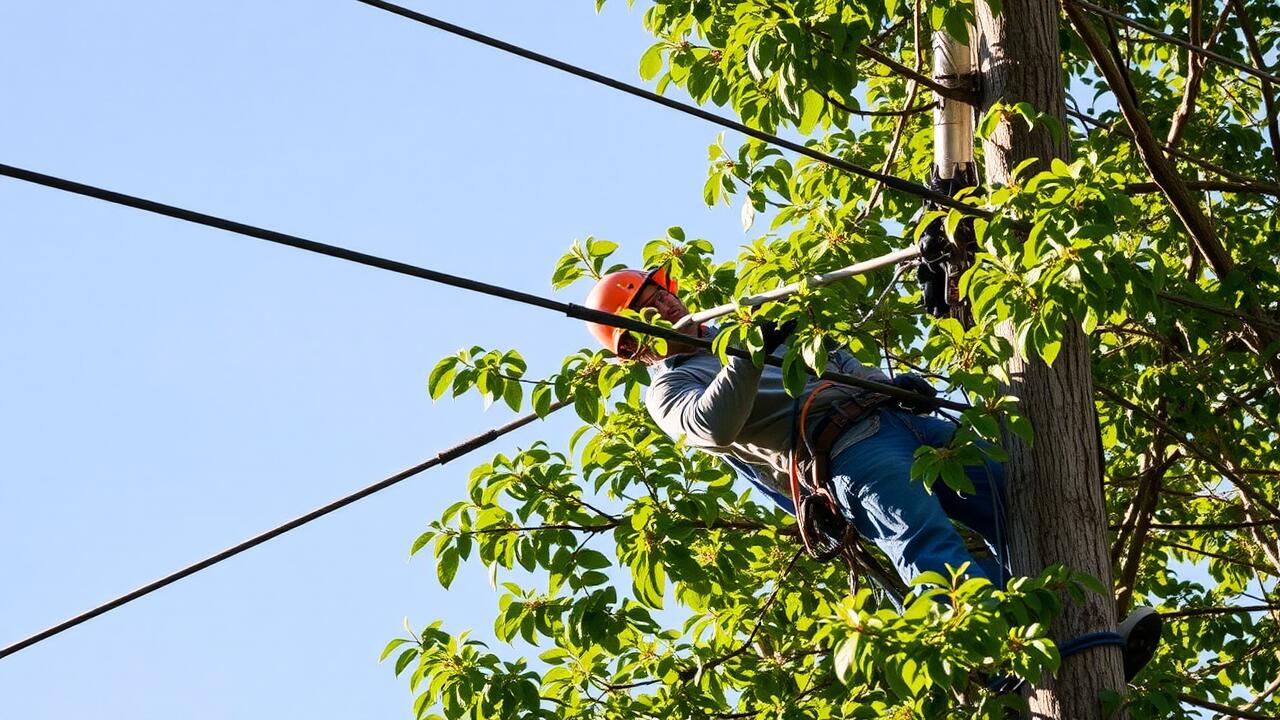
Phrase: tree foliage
pixel 645 582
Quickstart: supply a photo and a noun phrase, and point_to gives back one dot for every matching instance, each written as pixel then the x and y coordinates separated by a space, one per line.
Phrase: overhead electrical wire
pixel 568 309
pixel 891 181
pixel 441 458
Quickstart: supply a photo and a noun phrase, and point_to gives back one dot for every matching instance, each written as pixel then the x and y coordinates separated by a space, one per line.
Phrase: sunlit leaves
pixel 498 376
pixel 585 542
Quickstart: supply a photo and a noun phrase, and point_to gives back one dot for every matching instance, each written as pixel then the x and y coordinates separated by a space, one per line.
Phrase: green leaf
pixel 447 567
pixel 542 400
pixel 441 374
pixel 954 217
pixel 598 248
pixel 846 655
pixel 1090 322
pixel 956 21
pixel 811 106
pixel 587 404
pixel 1049 350
pixel 513 394
pixel 651 61
pixel 711 190
pixel 989 122
pixel 392 646
pixel 405 658
pixel 421 542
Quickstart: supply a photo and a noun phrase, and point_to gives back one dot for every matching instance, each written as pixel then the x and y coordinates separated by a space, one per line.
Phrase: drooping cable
pixel 569 309
pixel 441 458
pixel 891 181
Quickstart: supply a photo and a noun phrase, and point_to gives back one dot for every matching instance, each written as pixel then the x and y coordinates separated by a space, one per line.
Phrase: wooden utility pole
pixel 1056 511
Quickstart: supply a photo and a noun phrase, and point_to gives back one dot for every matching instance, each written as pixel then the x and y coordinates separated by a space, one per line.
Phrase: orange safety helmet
pixel 615 292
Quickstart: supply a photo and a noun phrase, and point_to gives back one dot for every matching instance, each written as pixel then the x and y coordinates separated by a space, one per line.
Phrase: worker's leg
pixel 872 482
pixel 982 511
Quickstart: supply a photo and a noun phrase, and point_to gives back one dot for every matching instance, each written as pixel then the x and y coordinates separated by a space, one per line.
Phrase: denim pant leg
pixel 981 512
pixel 873 482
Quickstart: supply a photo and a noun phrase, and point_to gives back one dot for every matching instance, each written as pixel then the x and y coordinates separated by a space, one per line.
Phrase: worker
pixel 742 412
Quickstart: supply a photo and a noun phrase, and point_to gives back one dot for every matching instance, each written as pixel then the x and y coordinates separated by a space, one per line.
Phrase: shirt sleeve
pixel 845 362
pixel 708 414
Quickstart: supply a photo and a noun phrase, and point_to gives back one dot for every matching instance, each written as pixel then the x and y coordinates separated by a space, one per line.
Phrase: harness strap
pixel 824 530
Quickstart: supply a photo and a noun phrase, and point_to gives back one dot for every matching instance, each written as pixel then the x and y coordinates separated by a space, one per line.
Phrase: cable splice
pixel 577 312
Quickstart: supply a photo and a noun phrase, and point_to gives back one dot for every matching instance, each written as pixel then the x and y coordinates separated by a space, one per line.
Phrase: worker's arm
pixel 709 414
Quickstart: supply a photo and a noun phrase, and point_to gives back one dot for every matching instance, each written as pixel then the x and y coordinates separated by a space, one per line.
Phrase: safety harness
pixel 824 530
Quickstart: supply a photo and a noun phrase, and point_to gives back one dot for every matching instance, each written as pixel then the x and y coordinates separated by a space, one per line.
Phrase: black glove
pixel 919 386
pixel 775 335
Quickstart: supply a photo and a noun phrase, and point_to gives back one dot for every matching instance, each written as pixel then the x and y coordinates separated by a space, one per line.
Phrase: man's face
pixel 670 309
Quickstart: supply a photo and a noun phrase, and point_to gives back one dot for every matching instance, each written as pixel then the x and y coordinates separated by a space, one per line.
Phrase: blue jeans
pixel 872 482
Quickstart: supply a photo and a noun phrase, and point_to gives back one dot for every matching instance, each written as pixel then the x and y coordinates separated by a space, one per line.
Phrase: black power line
pixel 890 181
pixel 569 309
pixel 443 457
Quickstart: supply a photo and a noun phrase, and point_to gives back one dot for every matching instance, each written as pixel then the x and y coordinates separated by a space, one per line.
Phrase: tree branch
pixel 1082 4
pixel 1194 160
pixel 1255 52
pixel 1262 696
pixel 611 524
pixel 1245 490
pixel 891 156
pixel 1149 149
pixel 602 527
pixel 908 110
pixel 1195 67
pixel 764 609
pixel 1247 318
pixel 1198 527
pixel 1224 709
pixel 1140 188
pixel 1199 612
pixel 951 93
pixel 1138 526
pixel 1202 234
pixel 1191 87
pixel 1211 554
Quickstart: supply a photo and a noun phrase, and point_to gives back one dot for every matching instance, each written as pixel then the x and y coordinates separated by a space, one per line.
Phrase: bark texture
pixel 1056 508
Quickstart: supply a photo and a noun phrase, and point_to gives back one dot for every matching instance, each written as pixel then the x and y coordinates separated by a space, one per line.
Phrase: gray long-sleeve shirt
pixel 743 411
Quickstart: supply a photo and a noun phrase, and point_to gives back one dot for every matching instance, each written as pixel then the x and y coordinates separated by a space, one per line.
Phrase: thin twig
pixel 907 110
pixel 1224 709
pixel 1255 52
pixel 877 191
pixel 951 93
pixel 1123 20
pixel 1200 612
pixel 760 617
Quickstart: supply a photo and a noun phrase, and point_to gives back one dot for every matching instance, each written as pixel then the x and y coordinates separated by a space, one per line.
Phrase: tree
pixel 1133 248
pixel 1056 506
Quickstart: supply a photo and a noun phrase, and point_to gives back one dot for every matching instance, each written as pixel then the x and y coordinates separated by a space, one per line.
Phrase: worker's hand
pixel 919 386
pixel 775 335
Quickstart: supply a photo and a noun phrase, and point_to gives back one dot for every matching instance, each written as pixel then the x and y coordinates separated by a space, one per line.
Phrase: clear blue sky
pixel 169 390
